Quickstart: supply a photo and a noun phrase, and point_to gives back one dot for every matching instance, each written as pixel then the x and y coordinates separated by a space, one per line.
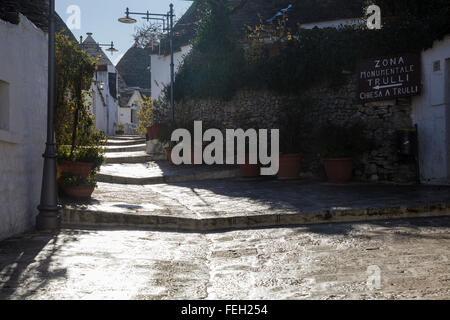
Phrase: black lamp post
pixel 168 17
pixel 110 49
pixel 48 217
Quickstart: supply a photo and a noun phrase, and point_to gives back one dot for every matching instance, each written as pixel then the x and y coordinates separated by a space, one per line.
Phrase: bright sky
pixel 100 18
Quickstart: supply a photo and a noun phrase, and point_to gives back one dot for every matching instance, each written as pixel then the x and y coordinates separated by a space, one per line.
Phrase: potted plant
pixel 249 170
pixel 77 187
pixel 339 145
pixel 120 128
pixel 83 161
pixel 165 135
pixel 74 163
pixel 293 131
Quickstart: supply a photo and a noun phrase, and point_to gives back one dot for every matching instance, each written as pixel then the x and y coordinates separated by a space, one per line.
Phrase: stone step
pixel 130 148
pixel 114 142
pixel 156 172
pixel 240 203
pixel 127 157
pixel 126 137
pixel 75 217
pixel 233 204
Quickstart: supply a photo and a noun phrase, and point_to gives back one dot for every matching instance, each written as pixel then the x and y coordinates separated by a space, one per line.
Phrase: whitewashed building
pixel 23 122
pixel 160 64
pixel 431 113
pixel 105 87
pixel 129 111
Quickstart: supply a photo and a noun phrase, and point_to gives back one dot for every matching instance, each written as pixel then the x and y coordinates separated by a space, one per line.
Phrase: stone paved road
pixel 314 262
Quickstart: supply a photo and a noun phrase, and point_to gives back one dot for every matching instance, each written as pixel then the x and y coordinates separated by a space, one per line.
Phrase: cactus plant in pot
pixel 339 146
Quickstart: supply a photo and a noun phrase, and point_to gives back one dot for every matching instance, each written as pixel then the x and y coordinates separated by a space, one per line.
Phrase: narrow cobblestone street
pixel 224 150
pixel 316 262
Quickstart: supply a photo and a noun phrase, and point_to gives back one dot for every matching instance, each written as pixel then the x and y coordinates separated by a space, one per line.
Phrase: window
pixel 112 78
pixel 4 105
pixel 133 116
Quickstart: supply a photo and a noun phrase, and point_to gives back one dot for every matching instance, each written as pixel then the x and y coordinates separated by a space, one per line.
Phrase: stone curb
pixel 125 142
pixel 125 137
pixel 129 159
pixel 78 217
pixel 210 175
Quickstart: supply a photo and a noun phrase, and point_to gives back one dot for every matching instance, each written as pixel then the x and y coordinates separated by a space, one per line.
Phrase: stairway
pixel 130 189
pixel 126 149
pixel 127 163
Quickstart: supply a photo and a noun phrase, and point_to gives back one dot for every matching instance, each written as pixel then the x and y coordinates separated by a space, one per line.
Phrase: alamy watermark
pixel 73 22
pixel 373 13
pixel 373 277
pixel 241 147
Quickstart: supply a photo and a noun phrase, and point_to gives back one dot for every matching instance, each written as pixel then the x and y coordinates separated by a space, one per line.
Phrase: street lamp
pixel 48 217
pixel 110 49
pixel 168 17
pixel 127 18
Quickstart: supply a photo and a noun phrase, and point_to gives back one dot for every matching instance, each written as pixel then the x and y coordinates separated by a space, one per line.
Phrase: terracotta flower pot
pixel 153 131
pixel 289 167
pixel 81 168
pixel 250 170
pixel 80 193
pixel 339 170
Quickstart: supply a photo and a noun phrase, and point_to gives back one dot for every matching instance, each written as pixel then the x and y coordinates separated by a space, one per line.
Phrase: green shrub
pixel 294 126
pixel 342 141
pixel 69 179
pixel 146 115
pixel 214 65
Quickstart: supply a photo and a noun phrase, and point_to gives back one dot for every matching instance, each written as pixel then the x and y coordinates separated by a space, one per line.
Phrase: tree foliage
pixel 74 123
pixel 213 65
pixel 148 35
pixel 146 115
pixel 291 61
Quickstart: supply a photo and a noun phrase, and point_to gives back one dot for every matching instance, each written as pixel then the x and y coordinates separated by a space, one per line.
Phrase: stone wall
pixel 22 142
pixel 337 105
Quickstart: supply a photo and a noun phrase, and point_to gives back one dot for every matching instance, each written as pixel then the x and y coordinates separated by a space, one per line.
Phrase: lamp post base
pixel 48 219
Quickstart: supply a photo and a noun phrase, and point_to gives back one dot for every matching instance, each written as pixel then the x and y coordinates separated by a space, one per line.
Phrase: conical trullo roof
pixel 94 50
